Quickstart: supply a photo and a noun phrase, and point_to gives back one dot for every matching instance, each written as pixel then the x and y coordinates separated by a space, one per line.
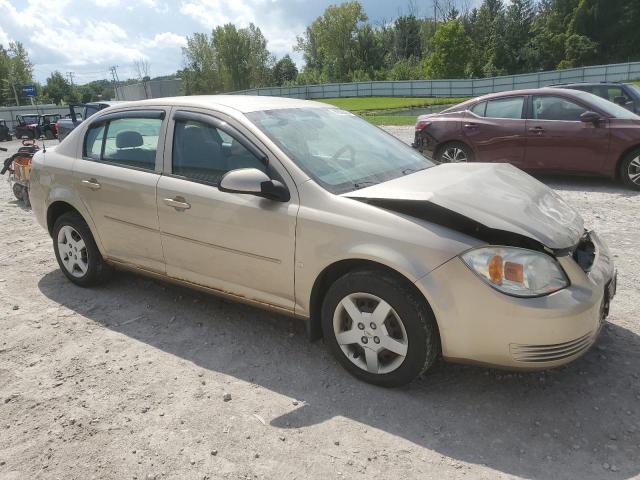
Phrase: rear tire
pixel 629 170
pixel 408 328
pixel 18 191
pixel 77 252
pixel 454 152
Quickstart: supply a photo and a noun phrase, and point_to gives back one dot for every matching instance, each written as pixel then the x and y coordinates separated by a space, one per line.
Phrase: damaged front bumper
pixel 481 325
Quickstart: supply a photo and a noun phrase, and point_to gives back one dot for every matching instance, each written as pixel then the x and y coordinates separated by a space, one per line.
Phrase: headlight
pixel 517 271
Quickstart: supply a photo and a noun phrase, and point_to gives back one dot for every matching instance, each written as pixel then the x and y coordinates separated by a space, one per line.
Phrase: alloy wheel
pixel 72 251
pixel 454 155
pixel 370 333
pixel 633 170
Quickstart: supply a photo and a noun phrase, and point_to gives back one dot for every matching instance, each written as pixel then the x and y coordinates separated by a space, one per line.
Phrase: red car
pixel 538 130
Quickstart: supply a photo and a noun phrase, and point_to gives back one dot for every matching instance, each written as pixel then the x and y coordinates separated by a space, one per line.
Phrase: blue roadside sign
pixel 29 91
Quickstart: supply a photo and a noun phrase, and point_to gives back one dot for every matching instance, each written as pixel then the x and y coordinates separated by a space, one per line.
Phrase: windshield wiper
pixel 364 184
pixel 407 171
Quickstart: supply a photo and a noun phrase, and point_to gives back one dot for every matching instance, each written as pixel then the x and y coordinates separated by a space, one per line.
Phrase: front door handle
pixel 537 130
pixel 179 203
pixel 92 184
pixel 471 126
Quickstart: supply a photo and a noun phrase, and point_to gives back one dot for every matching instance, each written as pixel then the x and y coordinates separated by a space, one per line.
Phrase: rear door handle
pixel 92 183
pixel 179 203
pixel 537 130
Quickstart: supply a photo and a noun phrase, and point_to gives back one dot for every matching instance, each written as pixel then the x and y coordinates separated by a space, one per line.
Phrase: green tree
pixel 407 41
pixel 284 71
pixel 451 52
pixel 201 74
pixel 16 70
pixel 329 43
pixel 58 89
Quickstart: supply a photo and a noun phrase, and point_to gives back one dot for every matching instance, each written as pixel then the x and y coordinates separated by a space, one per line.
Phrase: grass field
pixel 396 120
pixel 376 109
pixel 368 104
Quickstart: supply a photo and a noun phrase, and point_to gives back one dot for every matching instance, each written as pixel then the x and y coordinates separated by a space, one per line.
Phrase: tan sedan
pixel 308 210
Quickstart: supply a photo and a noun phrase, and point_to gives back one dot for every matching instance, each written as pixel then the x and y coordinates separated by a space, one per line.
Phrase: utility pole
pixel 70 77
pixel 116 80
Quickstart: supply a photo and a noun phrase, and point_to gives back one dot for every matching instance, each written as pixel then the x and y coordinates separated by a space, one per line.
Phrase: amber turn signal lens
pixel 495 269
pixel 514 272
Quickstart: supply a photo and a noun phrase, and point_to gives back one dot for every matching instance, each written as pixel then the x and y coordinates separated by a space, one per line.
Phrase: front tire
pixel 454 152
pixel 77 252
pixel 630 169
pixel 379 328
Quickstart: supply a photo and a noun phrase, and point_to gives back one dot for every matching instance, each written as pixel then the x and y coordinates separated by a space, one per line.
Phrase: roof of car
pixel 241 103
pixel 529 91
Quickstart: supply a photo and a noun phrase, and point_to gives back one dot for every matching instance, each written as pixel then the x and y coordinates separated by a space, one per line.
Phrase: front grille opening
pixel 585 253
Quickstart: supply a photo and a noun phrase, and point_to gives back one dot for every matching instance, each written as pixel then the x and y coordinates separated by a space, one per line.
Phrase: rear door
pixel 496 130
pixel 558 141
pixel 116 179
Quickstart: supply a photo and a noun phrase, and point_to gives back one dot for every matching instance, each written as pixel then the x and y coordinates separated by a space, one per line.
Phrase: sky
pixel 86 37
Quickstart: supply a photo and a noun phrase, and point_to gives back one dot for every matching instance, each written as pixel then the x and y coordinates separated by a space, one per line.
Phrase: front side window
pixel 510 107
pixel 556 108
pixel 130 142
pixel 339 150
pixel 204 153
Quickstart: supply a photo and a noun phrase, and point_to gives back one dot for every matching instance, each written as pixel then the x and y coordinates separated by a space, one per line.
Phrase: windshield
pixel 607 107
pixel 337 149
pixel 29 119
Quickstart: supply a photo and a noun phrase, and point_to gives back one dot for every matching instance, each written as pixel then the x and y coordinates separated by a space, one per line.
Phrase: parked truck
pixel 77 114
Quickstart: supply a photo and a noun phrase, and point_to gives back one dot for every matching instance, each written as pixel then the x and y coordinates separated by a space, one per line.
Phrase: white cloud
pixel 277 27
pixel 165 39
pixel 4 38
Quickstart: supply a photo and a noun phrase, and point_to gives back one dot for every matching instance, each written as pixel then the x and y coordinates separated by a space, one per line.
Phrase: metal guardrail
pixel 454 88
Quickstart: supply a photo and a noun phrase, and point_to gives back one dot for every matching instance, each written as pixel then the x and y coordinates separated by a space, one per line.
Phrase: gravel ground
pixel 129 380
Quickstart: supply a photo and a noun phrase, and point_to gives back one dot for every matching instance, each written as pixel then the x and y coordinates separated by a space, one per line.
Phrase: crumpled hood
pixel 494 202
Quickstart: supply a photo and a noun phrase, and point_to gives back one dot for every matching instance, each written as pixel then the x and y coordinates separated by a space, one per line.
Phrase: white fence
pixel 455 88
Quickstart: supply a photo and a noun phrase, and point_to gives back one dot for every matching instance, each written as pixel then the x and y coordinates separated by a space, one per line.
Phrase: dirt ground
pixel 127 381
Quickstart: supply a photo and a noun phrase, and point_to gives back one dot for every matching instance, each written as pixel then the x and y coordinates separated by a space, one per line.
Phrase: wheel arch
pixel 55 210
pixel 621 158
pixel 336 270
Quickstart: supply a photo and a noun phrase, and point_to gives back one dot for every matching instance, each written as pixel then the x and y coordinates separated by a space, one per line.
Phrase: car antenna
pixel 44 147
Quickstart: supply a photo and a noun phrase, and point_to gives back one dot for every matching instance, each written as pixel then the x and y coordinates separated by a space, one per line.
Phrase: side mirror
pixel 620 100
pixel 590 117
pixel 253 182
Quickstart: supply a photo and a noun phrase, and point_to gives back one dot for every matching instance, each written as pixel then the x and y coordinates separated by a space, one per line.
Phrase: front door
pixel 496 129
pixel 116 180
pixel 235 243
pixel 558 141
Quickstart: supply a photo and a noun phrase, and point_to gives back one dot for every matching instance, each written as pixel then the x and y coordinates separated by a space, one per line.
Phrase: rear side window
pixel 479 108
pixel 556 108
pixel 93 142
pixel 130 142
pixel 510 107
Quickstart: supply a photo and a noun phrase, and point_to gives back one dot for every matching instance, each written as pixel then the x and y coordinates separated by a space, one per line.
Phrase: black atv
pixel 5 134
